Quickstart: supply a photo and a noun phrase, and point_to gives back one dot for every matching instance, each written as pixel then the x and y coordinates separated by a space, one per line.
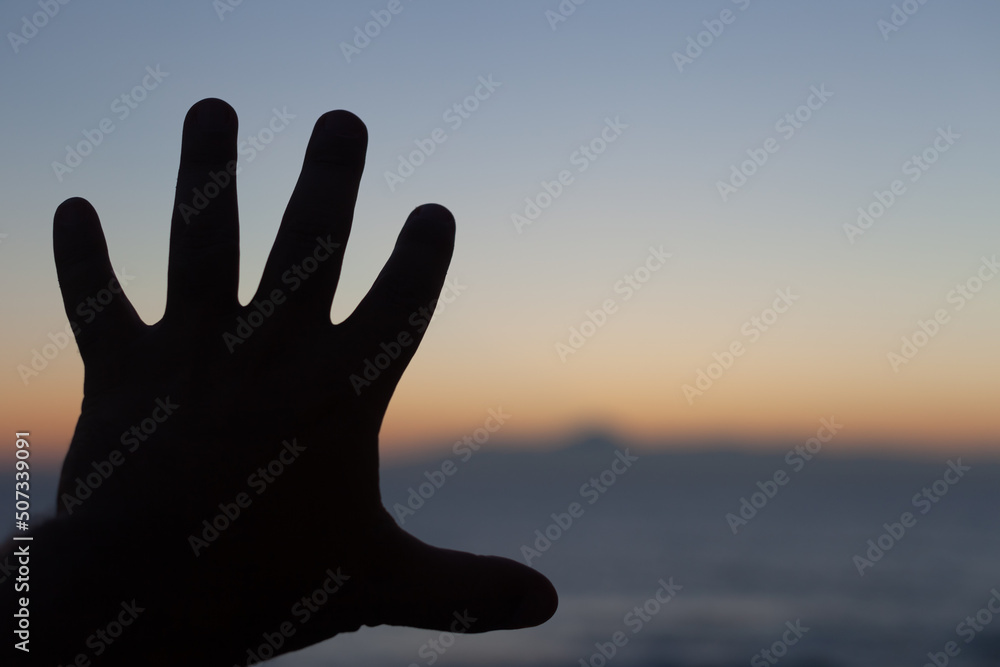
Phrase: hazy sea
pixel 664 518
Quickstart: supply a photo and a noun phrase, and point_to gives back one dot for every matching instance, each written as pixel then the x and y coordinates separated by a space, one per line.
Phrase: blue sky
pixel 656 184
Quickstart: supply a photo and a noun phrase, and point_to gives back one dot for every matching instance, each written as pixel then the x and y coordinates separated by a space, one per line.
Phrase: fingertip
pixel 432 586
pixel 71 211
pixel 74 227
pixel 538 603
pixel 502 593
pixel 211 114
pixel 342 123
pixel 339 140
pixel 531 597
pixel 429 223
pixel 433 211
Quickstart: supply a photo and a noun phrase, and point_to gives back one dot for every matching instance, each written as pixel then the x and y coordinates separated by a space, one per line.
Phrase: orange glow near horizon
pixel 628 385
pixel 436 405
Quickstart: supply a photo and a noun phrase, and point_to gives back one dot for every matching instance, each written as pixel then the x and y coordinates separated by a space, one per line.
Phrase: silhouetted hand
pixel 237 457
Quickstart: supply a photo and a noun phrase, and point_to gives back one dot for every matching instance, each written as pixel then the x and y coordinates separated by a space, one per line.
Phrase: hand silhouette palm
pixel 247 387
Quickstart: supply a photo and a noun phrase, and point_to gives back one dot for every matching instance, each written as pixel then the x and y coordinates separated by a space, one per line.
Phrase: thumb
pixel 442 589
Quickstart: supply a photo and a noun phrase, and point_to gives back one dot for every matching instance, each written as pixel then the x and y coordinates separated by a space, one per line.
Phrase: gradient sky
pixel 655 186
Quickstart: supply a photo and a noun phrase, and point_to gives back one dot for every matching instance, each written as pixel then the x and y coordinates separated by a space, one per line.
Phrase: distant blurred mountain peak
pixel 594 441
